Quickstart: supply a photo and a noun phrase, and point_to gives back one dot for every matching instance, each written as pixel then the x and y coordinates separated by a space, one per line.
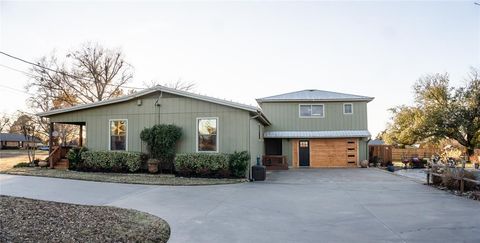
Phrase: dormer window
pixel 311 111
pixel 348 108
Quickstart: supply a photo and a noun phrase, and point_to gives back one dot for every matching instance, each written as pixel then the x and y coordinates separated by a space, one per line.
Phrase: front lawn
pixel 28 220
pixel 131 178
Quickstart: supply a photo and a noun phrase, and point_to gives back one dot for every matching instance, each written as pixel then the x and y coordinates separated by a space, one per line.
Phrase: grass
pixel 131 178
pixel 9 158
pixel 28 220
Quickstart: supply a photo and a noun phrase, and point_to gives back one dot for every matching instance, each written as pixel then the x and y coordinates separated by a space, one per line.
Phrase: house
pixel 329 124
pixel 317 128
pixel 16 141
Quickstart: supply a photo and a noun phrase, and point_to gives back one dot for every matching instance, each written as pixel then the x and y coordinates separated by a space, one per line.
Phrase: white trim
pixel 110 134
pixel 311 116
pixel 217 145
pixel 344 108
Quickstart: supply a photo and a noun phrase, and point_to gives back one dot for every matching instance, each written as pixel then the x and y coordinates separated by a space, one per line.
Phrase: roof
pixel 376 142
pixel 314 95
pixel 16 137
pixel 317 134
pixel 160 88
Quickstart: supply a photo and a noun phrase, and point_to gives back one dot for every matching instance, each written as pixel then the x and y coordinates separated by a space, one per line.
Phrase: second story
pixel 315 110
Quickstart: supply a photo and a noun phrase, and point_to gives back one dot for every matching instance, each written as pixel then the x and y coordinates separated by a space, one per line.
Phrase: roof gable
pixel 314 95
pixel 160 88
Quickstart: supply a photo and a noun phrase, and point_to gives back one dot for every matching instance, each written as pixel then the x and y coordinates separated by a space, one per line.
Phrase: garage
pixel 328 152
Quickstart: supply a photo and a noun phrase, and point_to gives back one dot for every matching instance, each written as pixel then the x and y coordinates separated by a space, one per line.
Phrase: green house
pixel 306 128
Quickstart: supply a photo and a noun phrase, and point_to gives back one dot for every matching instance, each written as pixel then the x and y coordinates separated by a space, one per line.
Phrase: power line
pixel 16 70
pixel 15 89
pixel 56 71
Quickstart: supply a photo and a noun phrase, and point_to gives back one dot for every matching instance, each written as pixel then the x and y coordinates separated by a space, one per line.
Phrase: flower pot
pixel 42 163
pixel 152 165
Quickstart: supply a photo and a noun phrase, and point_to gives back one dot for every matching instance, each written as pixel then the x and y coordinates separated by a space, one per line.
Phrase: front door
pixel 304 153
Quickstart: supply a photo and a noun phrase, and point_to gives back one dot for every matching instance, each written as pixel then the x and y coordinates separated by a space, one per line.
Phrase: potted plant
pixel 153 165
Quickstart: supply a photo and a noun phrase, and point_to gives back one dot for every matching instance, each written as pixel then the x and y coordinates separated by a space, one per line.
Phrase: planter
pixel 364 164
pixel 42 163
pixel 153 165
pixel 391 168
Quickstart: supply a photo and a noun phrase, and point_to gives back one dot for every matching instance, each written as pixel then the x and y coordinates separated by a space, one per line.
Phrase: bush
pixel 451 183
pixel 161 142
pixel 212 165
pixel 23 164
pixel 202 164
pixel 74 157
pixel 112 161
pixel 238 163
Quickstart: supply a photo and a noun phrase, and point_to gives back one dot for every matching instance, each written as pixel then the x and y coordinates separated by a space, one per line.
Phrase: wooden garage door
pixel 338 152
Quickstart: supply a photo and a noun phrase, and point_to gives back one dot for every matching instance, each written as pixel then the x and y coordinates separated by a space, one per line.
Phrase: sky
pixel 246 50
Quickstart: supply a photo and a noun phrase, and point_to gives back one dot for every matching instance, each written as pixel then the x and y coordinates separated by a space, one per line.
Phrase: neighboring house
pixel 214 125
pixel 16 141
pixel 376 142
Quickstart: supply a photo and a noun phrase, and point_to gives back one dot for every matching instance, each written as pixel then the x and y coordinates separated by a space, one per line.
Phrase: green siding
pixel 233 125
pixel 287 150
pixel 285 117
pixel 256 144
pixel 362 150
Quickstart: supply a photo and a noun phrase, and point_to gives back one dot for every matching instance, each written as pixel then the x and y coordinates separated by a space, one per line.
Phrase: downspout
pixel 367 153
pixel 250 145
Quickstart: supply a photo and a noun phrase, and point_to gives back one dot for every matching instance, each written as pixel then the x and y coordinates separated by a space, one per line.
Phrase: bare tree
pixel 5 122
pixel 89 74
pixel 179 85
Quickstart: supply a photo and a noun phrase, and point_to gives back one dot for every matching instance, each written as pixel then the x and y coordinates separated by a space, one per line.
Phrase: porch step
pixel 62 164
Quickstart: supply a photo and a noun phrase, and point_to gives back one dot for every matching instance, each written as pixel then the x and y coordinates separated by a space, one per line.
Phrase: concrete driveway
pixel 303 205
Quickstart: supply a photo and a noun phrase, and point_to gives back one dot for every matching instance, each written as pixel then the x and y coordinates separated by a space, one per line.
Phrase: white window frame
pixel 344 108
pixel 311 115
pixel 110 134
pixel 217 137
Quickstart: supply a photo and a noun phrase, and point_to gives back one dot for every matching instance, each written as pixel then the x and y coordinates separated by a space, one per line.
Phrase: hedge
pixel 112 161
pixel 74 156
pixel 212 165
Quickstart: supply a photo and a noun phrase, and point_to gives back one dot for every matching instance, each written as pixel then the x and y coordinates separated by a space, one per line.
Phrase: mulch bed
pixel 28 220
pixel 131 178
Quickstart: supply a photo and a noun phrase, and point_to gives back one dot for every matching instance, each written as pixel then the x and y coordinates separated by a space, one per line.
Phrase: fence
pixel 460 178
pixel 389 153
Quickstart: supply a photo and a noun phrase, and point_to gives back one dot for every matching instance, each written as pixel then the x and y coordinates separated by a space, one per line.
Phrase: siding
pixel 284 117
pixel 233 123
pixel 257 147
pixel 287 150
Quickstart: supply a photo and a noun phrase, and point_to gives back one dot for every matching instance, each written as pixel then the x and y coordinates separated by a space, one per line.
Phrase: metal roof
pixel 314 95
pixel 14 137
pixel 318 134
pixel 376 142
pixel 161 88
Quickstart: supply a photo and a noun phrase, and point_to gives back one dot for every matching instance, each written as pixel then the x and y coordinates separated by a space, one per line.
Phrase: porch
pixel 58 146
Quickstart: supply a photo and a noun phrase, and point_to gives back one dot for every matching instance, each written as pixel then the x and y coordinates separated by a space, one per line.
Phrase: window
pixel 348 108
pixel 118 134
pixel 312 111
pixel 207 135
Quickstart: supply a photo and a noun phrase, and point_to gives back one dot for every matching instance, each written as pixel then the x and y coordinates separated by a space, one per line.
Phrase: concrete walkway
pixel 303 205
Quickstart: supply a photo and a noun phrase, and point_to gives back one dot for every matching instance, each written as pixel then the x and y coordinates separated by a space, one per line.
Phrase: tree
pixel 406 127
pixel 179 85
pixel 5 122
pixel 20 122
pixel 88 74
pixel 441 111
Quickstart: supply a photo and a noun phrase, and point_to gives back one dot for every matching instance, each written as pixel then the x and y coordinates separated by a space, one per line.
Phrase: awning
pixel 318 134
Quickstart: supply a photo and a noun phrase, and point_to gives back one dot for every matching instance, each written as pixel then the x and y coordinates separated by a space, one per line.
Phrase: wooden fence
pixel 389 153
pixel 461 177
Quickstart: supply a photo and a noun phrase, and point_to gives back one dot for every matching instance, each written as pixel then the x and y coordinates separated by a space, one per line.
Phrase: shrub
pixel 22 164
pixel 202 164
pixel 112 161
pixel 451 183
pixel 238 163
pixel 161 141
pixel 74 157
